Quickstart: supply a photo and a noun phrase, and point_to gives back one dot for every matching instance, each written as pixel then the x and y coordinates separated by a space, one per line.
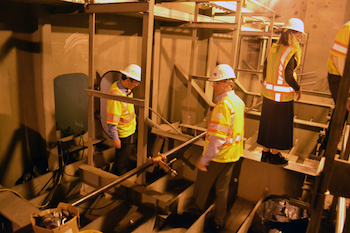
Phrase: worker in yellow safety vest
pixel 223 146
pixel 278 91
pixel 335 65
pixel 121 118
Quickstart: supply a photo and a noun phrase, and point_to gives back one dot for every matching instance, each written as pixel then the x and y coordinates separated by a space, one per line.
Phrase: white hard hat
pixel 221 72
pixel 294 24
pixel 132 71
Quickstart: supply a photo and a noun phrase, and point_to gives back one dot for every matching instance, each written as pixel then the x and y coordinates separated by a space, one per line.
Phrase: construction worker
pixel 335 65
pixel 121 118
pixel 278 90
pixel 223 146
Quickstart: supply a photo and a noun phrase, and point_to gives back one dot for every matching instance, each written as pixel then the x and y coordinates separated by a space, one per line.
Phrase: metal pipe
pixel 183 144
pixel 167 122
pixel 345 142
pixel 134 171
pixel 341 215
pixel 114 183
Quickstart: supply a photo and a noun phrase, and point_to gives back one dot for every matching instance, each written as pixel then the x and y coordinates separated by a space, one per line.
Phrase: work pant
pixel 121 161
pixel 220 175
pixel 334 83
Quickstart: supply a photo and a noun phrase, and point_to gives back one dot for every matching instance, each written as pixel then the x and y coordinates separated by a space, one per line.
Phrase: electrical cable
pixel 57 180
pixel 13 191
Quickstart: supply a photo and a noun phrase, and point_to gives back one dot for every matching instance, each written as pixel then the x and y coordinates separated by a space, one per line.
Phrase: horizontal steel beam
pixel 247 14
pixel 197 1
pixel 100 94
pixel 255 33
pixel 220 26
pixel 130 7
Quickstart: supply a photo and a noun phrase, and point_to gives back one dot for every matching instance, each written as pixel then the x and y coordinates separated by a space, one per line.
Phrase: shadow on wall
pixel 24 154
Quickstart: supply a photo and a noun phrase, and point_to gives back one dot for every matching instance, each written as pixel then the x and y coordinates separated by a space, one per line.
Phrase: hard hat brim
pixel 130 75
pixel 219 79
pixel 291 28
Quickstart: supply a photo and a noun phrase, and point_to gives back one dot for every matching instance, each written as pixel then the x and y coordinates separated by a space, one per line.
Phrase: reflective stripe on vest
pixel 230 128
pixel 121 114
pixel 229 141
pixel 340 48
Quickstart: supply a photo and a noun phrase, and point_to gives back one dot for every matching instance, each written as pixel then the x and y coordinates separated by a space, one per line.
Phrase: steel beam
pixel 91 108
pixel 100 94
pixel 256 33
pixel 130 7
pixel 331 149
pixel 218 26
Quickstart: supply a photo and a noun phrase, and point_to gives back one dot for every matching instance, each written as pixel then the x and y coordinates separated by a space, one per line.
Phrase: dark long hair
pixel 287 38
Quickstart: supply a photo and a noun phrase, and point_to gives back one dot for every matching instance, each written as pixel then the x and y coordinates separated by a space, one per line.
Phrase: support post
pixel 146 60
pixel 91 130
pixel 331 149
pixel 235 38
pixel 193 47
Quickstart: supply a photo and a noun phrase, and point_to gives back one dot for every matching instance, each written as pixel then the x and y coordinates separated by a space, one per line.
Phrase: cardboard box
pixel 72 226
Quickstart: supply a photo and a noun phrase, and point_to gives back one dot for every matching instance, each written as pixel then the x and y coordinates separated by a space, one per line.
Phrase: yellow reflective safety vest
pixel 121 114
pixel 227 122
pixel 339 48
pixel 275 86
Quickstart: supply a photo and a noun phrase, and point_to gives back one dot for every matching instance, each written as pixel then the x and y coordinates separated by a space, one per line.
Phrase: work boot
pixel 278 159
pixel 265 156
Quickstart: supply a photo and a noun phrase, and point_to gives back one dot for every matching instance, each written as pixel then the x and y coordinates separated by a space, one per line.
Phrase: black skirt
pixel 276 124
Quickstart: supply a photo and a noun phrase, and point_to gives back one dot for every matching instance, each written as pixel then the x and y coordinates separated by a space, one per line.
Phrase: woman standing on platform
pixel 278 91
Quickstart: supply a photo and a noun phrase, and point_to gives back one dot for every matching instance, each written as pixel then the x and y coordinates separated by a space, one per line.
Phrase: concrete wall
pixel 27 120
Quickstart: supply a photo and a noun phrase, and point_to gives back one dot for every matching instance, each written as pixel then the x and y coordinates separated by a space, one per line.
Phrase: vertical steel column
pixel 269 42
pixel 331 149
pixel 91 130
pixel 193 47
pixel 211 60
pixel 235 37
pixel 146 60
pixel 155 73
